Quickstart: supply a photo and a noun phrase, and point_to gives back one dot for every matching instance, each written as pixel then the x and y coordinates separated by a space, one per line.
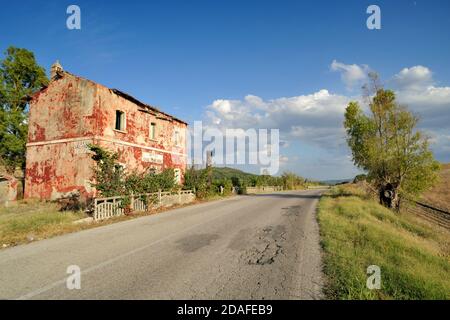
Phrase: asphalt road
pixel 245 247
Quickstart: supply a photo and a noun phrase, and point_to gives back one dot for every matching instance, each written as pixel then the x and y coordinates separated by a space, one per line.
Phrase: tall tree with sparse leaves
pixel 387 145
pixel 20 77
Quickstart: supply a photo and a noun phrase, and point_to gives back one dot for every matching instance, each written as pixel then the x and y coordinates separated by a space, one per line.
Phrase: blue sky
pixel 184 55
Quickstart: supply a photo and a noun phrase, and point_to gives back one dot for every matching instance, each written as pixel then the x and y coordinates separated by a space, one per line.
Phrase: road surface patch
pixel 195 242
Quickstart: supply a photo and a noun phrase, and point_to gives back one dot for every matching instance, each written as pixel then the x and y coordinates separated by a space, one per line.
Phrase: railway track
pixel 430 213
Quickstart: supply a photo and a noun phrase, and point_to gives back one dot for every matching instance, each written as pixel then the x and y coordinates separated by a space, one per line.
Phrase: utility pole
pixel 209 155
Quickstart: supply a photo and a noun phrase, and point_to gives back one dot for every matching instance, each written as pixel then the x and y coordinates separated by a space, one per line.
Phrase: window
pixel 153 131
pixel 120 120
pixel 177 138
pixel 177 173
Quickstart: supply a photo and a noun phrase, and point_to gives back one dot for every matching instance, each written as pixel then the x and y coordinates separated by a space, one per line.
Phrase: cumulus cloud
pixel 432 104
pixel 316 119
pixel 414 78
pixel 319 109
pixel 415 87
pixel 329 138
pixel 441 140
pixel 351 74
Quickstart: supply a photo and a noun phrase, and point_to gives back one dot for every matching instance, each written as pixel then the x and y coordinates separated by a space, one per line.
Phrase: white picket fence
pixel 105 208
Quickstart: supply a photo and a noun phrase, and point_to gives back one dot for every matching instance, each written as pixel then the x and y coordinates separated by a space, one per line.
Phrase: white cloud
pixel 432 104
pixel 284 160
pixel 351 74
pixel 313 119
pixel 415 88
pixel 321 108
pixel 441 141
pixel 325 137
pixel 414 78
pixel 316 119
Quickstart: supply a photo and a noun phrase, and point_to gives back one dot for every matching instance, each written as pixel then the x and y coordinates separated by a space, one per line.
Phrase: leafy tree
pixel 226 184
pixel 204 187
pixel 164 180
pixel 228 177
pixel 206 182
pixel 359 178
pixel 20 77
pixel 291 181
pixel 190 178
pixel 387 145
pixel 109 176
pixel 241 183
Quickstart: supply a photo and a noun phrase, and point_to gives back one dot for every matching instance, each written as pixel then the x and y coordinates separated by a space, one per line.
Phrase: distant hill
pixel 439 195
pixel 228 173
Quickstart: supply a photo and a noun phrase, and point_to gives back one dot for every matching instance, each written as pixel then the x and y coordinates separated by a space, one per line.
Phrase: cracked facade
pixel 73 112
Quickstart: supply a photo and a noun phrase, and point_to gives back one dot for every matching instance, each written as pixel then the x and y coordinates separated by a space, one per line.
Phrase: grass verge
pixel 31 220
pixel 356 232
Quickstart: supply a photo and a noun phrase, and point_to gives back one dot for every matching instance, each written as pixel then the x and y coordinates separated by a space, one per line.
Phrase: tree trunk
pixel 389 196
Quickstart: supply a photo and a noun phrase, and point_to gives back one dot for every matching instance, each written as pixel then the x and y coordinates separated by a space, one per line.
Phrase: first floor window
pixel 120 120
pixel 153 131
pixel 177 138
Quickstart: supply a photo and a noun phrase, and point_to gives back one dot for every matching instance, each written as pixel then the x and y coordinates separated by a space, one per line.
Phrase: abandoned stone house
pixel 72 112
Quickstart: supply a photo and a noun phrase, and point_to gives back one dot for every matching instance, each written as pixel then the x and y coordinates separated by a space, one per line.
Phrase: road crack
pixel 268 246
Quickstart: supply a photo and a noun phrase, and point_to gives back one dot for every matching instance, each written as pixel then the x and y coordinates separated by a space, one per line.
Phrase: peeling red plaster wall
pixel 75 111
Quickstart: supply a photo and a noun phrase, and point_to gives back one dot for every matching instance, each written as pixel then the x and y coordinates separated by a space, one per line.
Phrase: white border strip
pixel 139 146
pixel 43 143
pixel 129 144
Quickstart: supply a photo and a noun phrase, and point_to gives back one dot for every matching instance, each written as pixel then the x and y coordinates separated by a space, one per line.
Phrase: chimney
pixel 55 69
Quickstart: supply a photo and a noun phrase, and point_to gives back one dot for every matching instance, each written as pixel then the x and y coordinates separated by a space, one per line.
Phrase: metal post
pixel 132 202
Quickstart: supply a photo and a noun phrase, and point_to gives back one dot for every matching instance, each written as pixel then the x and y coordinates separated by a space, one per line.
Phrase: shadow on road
pixel 286 195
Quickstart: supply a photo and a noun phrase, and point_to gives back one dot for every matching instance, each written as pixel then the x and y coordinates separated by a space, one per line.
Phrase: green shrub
pixel 227 185
pixel 108 173
pixel 112 180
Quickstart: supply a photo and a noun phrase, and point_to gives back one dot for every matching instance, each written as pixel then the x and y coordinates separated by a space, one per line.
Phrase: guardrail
pixel 105 208
pixel 318 187
pixel 252 190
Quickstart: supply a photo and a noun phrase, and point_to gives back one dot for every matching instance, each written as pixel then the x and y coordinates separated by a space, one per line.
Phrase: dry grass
pixel 31 220
pixel 356 232
pixel 439 195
